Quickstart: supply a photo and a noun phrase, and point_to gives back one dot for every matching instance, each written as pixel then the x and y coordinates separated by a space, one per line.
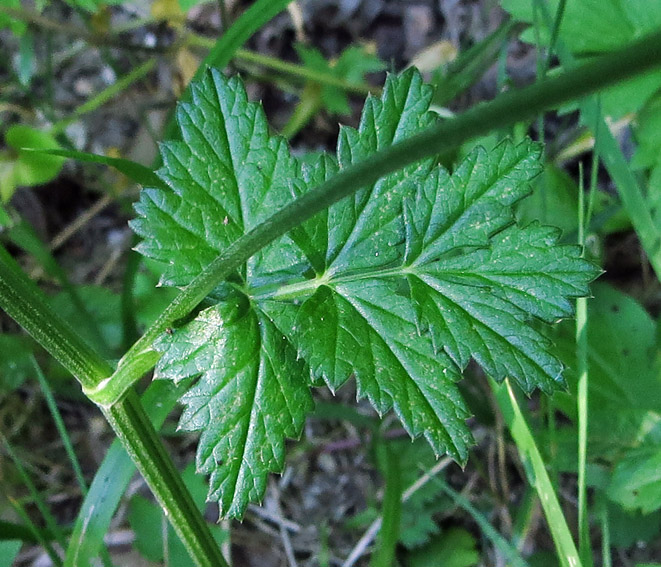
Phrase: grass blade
pixel 134 171
pixel 582 403
pixel 36 532
pixel 241 30
pixel 505 547
pixel 537 475
pixel 59 425
pixel 49 519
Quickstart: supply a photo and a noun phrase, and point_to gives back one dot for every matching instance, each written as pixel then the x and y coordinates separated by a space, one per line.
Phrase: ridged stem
pixel 27 305
pixel 133 428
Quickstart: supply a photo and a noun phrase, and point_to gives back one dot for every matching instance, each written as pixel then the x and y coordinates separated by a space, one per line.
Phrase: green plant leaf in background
pixel 625 397
pixel 648 153
pixel 631 528
pixel 21 168
pixel 351 65
pixel 104 307
pixel 15 369
pixel 17 27
pixel 636 481
pixel 592 27
pixel 9 550
pixel 456 546
pixel 398 285
pixel 417 524
pixel 625 379
pixel 554 201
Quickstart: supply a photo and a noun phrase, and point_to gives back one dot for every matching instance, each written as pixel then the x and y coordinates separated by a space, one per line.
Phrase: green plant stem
pixel 582 397
pixel 626 183
pixel 509 108
pixel 66 440
pixel 134 429
pixel 607 561
pixel 384 555
pixel 111 479
pixel 584 218
pixel 23 301
pixel 557 21
pixel 285 67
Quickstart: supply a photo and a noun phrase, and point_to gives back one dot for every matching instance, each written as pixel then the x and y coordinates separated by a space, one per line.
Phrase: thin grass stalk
pixel 537 475
pixel 49 519
pixel 604 520
pixel 582 396
pixel 66 440
pixel 36 532
pixel 507 550
pixel 384 554
pixel 61 428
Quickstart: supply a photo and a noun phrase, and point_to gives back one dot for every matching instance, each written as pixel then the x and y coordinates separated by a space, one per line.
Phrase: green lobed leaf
pixel 249 398
pixel 398 286
pixel 226 176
